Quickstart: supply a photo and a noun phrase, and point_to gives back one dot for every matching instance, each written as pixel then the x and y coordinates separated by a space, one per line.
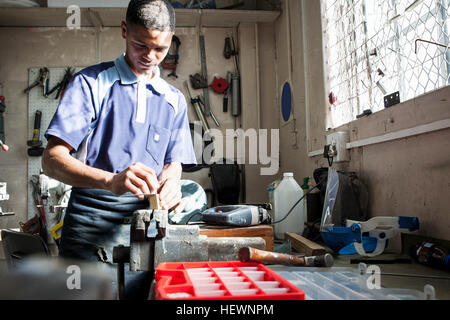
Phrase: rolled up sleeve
pixel 75 113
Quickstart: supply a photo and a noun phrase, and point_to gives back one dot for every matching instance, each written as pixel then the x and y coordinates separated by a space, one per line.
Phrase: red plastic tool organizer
pixel 222 281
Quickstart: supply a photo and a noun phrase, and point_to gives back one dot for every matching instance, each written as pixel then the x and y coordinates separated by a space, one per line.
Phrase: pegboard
pixel 48 106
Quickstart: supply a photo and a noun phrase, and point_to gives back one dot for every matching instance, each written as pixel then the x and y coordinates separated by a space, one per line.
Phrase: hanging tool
pixel 198 109
pixel 42 81
pixel 35 144
pixel 61 86
pixel 248 254
pixel 205 75
pixel 2 124
pixel 235 94
pixel 228 50
pixel 198 82
pixel 38 200
pixel 172 58
pixel 221 86
pixel 226 97
pixel 213 116
pixel 235 83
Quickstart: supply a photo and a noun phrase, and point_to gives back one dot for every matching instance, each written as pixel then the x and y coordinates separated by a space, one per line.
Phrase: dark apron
pixel 95 222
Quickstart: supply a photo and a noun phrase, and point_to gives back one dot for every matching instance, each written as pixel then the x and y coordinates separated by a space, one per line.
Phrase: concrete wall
pixel 408 176
pixel 31 48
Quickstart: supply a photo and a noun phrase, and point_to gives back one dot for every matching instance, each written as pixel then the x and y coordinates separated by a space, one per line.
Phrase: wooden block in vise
pixel 262 231
pixel 153 199
pixel 305 246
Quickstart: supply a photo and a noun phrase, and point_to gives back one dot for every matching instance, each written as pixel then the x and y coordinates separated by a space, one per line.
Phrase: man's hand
pixel 170 195
pixel 137 179
pixel 170 187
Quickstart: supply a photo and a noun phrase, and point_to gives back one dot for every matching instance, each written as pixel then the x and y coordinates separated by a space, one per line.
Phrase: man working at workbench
pixel 131 132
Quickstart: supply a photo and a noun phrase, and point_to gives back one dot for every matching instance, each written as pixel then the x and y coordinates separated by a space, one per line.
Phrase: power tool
pixel 237 216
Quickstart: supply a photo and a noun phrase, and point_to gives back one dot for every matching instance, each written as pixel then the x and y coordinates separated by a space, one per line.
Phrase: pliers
pixel 42 81
pixel 61 87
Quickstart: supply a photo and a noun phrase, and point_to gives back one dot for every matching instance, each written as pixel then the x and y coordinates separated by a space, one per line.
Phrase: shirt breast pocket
pixel 157 142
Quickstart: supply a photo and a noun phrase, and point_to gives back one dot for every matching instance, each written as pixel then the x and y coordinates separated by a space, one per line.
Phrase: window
pixel 378 47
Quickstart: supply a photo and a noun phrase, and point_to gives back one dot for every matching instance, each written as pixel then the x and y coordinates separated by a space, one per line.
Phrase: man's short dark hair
pixel 152 14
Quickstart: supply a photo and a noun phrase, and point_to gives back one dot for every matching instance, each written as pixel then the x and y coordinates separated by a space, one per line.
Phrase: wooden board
pixel 303 245
pixel 154 202
pixel 265 232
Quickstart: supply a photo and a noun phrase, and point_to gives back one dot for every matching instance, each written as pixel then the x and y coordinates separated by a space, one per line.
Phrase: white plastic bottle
pixel 285 195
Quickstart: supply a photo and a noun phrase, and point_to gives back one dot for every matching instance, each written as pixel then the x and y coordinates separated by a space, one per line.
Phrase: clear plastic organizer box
pixel 222 281
pixel 346 284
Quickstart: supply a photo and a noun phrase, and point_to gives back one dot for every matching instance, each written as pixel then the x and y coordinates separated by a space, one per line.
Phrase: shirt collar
pixel 127 76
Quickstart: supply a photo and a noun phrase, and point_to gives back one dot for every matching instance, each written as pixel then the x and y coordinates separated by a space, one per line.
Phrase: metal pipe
pixel 213 116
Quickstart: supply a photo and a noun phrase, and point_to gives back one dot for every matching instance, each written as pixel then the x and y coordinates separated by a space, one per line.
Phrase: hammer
pixel 248 254
pixel 36 149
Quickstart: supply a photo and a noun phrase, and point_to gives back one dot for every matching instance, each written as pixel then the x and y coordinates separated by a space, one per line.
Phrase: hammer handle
pixel 248 254
pixel 37 125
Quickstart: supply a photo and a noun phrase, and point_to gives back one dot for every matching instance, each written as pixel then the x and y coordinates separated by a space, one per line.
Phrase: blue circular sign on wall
pixel 286 101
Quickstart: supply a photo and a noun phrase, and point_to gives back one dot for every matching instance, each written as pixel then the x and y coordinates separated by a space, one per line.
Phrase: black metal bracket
pixel 392 99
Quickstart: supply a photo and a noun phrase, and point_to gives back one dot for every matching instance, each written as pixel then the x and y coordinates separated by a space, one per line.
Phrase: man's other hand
pixel 137 179
pixel 170 195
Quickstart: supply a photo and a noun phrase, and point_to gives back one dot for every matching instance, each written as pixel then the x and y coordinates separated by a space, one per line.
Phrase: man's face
pixel 146 48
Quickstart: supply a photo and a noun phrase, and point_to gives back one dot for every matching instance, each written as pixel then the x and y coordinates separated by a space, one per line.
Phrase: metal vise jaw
pixel 153 241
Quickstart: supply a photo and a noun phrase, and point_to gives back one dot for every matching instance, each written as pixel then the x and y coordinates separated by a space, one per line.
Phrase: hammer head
pixel 325 260
pixel 34 143
pixel 35 152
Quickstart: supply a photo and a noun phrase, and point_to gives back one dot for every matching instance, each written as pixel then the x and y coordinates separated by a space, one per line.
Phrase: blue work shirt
pixel 113 119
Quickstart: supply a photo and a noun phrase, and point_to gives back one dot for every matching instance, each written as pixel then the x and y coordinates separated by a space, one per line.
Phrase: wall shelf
pixel 111 17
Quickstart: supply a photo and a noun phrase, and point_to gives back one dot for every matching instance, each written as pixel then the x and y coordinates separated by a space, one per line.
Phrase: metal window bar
pixel 445 20
pixel 398 48
pixel 352 69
